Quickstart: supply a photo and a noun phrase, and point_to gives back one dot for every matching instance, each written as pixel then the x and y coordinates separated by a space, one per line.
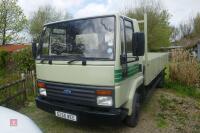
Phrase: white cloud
pixel 91 9
pixel 29 6
pixel 180 10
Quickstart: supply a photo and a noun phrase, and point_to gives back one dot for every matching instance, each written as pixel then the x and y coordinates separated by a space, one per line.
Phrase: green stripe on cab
pixel 132 70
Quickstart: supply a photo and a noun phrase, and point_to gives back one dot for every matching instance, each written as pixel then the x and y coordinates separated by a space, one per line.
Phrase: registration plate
pixel 66 116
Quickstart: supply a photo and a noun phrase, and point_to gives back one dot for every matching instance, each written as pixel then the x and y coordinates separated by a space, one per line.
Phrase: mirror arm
pixel 123 59
pixel 135 59
pixel 34 49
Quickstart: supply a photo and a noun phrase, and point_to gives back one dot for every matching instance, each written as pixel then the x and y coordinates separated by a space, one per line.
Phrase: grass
pixel 172 108
pixel 45 120
pixel 49 123
pixel 178 111
pixel 180 88
pixel 161 121
pixel 184 90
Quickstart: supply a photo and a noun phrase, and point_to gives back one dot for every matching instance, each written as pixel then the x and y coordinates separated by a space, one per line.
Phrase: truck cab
pixel 94 67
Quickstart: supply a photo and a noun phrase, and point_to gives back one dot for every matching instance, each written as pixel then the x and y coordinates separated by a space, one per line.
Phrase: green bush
pixel 4 57
pixel 23 60
pixel 159 30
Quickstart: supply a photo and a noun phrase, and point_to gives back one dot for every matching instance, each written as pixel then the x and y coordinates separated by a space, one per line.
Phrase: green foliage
pixel 12 20
pixel 159 30
pixel 161 121
pixel 2 72
pixel 4 56
pixel 44 15
pixel 24 61
pixel 183 89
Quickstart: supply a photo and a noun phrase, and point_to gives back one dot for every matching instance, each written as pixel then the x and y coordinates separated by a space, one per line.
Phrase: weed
pixel 184 113
pixel 161 121
pixel 183 68
pixel 184 90
pixel 164 102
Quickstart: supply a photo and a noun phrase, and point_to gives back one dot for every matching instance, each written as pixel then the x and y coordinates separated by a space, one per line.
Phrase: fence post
pixel 198 51
pixel 23 86
pixel 34 82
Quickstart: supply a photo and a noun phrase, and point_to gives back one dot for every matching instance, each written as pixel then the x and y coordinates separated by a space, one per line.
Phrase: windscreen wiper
pixel 49 59
pixel 78 58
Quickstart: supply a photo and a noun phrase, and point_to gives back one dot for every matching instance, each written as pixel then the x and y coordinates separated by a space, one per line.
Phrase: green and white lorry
pixel 96 67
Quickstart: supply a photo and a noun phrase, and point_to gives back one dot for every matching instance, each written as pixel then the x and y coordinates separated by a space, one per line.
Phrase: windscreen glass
pixel 90 38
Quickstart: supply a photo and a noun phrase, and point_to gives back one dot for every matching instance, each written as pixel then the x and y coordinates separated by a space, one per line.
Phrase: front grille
pixel 71 93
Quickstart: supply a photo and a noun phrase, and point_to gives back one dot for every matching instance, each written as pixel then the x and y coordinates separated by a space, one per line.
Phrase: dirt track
pixel 165 112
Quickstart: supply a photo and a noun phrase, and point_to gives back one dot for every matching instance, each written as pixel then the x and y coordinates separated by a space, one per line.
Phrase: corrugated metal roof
pixel 13 47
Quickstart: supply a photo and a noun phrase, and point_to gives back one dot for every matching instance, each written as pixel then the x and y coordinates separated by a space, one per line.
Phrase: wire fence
pixel 16 93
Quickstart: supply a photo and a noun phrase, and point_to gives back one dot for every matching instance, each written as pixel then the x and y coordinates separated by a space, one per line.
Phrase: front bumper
pixel 83 113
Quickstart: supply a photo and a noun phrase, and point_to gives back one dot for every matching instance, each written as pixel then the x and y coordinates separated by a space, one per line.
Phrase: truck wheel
pixel 132 120
pixel 162 80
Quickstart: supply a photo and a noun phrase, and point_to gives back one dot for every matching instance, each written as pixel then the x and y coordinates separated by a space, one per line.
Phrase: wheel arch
pixel 135 86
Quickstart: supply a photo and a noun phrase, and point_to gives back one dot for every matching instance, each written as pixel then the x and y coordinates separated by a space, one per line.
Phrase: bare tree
pixel 197 25
pixel 186 29
pixel 44 15
pixel 175 35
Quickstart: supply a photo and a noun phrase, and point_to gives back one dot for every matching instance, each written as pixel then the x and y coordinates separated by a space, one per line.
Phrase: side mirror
pixel 138 44
pixel 34 49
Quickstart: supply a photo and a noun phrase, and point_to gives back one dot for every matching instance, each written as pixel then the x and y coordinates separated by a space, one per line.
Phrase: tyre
pixel 162 80
pixel 132 120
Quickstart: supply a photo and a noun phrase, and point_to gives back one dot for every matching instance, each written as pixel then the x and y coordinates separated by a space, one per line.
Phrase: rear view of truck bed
pixel 154 65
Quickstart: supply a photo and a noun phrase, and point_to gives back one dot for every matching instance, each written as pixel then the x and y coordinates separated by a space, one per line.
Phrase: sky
pixel 180 10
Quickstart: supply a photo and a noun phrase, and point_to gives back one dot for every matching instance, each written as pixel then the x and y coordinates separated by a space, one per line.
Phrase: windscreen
pixel 91 38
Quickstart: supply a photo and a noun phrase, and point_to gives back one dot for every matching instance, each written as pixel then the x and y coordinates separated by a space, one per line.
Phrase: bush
pixel 4 57
pixel 159 30
pixel 184 68
pixel 23 60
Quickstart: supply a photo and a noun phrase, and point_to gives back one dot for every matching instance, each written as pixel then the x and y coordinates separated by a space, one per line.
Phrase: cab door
pixel 127 59
pixel 129 63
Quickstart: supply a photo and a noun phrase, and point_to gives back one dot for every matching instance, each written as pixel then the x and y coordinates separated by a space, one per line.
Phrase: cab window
pixel 128 35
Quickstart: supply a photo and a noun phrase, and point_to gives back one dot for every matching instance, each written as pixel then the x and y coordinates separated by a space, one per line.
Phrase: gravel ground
pixel 164 112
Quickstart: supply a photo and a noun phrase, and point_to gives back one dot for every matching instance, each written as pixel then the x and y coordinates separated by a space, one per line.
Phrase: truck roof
pixel 116 14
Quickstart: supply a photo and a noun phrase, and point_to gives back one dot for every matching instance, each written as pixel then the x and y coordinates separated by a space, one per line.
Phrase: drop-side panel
pixel 156 63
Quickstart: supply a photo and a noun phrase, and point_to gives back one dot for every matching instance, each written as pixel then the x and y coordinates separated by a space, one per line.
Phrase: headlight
pixel 104 100
pixel 42 91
